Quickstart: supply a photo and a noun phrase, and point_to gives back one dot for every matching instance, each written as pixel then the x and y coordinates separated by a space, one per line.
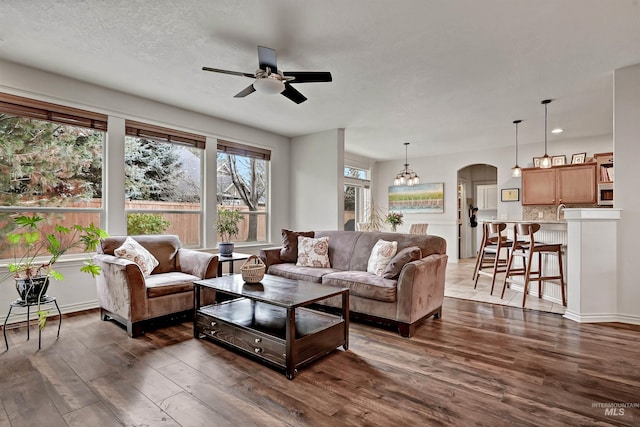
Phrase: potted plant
pixel 36 251
pixel 227 227
pixel 395 219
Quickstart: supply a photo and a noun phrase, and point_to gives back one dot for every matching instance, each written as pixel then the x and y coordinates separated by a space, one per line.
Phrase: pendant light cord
pixel 545 128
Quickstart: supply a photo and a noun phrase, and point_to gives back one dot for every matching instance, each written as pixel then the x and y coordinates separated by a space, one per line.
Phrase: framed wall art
pixel 578 158
pixel 510 195
pixel 421 198
pixel 558 160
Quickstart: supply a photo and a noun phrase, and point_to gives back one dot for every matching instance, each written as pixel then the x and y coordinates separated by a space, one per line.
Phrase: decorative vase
pixel 393 227
pixel 225 248
pixel 31 289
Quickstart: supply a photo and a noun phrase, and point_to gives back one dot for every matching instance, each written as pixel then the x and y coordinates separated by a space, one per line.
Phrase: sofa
pixel 135 300
pixel 414 295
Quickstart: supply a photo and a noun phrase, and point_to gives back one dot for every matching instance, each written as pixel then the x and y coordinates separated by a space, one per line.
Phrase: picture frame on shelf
pixel 558 160
pixel 578 158
pixel 536 162
pixel 510 195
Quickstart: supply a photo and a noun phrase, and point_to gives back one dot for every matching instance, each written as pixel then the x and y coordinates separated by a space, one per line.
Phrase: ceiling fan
pixel 268 79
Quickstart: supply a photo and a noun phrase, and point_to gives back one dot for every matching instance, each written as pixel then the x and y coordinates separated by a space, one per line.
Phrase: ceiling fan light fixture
pixel 269 85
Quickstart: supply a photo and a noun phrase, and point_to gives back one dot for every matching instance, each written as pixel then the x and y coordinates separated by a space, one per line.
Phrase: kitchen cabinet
pixel 575 184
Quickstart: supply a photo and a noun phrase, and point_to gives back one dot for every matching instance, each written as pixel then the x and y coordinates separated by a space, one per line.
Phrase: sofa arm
pixel 121 288
pixel 270 256
pixel 201 264
pixel 420 288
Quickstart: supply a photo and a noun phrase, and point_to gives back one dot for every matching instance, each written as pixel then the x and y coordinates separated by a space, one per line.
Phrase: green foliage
pixel 153 171
pixel 227 223
pixel 40 250
pixel 48 164
pixel 145 223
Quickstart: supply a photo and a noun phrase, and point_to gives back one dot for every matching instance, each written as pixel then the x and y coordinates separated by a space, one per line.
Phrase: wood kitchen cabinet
pixel 574 184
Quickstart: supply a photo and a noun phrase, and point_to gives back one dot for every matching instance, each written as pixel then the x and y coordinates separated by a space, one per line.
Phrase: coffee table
pixel 271 320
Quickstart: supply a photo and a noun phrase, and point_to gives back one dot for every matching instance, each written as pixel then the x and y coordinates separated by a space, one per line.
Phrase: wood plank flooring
pixel 480 364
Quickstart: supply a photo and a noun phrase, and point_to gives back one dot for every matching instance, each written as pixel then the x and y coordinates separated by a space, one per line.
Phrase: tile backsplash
pixel 530 213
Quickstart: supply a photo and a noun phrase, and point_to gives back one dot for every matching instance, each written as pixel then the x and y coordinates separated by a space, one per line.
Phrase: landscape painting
pixel 421 198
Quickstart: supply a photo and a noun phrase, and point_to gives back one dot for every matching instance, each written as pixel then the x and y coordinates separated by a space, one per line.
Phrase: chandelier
pixel 406 176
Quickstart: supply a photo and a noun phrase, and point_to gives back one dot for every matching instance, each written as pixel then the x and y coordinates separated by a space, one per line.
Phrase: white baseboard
pixel 602 318
pixel 20 314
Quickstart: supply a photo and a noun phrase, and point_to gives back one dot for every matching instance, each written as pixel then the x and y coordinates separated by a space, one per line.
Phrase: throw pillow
pixel 289 251
pixel 381 254
pixel 313 252
pixel 134 251
pixel 392 271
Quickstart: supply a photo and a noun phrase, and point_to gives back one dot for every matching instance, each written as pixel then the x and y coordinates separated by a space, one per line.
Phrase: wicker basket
pixel 253 269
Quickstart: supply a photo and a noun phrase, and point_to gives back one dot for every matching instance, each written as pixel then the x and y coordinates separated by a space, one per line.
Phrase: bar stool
pixel 493 243
pixel 526 248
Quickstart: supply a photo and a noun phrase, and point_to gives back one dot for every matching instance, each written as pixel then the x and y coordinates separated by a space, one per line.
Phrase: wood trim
pixel 236 148
pixel 40 110
pixel 159 133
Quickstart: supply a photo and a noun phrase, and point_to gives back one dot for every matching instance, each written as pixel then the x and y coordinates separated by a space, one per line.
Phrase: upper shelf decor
pixel 406 176
pixel 420 198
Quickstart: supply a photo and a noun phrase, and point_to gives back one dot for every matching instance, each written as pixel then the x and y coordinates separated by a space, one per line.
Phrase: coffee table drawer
pixel 256 343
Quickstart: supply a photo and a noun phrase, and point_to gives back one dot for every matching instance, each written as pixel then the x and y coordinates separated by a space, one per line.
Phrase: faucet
pixel 560 207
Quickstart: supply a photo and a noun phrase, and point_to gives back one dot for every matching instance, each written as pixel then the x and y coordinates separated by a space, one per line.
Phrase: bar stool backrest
pixel 527 229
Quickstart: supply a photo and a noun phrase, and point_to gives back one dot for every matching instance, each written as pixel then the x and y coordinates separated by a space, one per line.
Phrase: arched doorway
pixel 477 188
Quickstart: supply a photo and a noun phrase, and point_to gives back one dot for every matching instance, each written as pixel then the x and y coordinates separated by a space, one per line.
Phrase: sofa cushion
pixel 362 284
pixel 294 272
pixel 313 252
pixel 289 251
pixel 381 254
pixel 169 283
pixel 135 252
pixel 392 270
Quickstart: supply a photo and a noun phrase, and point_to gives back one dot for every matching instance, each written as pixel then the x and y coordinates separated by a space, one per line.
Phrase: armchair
pixel 128 297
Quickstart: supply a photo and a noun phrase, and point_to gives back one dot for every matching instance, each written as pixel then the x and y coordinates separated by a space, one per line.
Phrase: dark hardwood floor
pixel 479 364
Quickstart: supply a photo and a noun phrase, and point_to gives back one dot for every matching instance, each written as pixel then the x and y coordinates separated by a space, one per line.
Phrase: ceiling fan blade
pixel 309 76
pixel 244 92
pixel 293 94
pixel 233 73
pixel 267 58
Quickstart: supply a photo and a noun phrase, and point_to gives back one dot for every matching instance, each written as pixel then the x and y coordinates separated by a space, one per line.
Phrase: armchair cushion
pixel 135 252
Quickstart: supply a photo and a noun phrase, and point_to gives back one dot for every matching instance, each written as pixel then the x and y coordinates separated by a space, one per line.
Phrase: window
pixel 163 170
pixel 356 196
pixel 50 163
pixel 243 183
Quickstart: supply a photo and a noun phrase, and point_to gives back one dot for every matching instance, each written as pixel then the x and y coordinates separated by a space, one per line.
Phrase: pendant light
pixel 516 171
pixel 545 161
pixel 406 176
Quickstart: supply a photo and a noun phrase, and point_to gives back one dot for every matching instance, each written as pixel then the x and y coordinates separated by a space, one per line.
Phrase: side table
pixel 236 256
pixel 20 303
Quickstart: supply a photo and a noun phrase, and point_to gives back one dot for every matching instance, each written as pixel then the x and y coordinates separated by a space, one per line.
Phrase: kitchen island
pixel 550 232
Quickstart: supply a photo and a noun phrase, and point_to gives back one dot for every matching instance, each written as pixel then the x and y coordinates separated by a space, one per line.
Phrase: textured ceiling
pixel 447 76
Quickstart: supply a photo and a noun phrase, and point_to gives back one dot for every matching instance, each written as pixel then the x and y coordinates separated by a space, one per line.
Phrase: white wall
pixel 317 181
pixel 627 154
pixel 79 290
pixel 444 169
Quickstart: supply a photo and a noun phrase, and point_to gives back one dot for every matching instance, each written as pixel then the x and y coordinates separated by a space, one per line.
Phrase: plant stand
pixel 20 303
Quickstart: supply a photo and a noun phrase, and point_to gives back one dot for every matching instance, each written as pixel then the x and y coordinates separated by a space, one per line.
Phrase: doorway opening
pixel 477 188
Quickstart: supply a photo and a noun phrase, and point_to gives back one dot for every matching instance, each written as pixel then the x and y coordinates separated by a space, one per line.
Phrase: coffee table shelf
pixel 272 323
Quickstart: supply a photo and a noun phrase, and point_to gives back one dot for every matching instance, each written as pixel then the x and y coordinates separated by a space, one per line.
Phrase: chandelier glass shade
pixel 406 176
pixel 545 161
pixel 516 171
